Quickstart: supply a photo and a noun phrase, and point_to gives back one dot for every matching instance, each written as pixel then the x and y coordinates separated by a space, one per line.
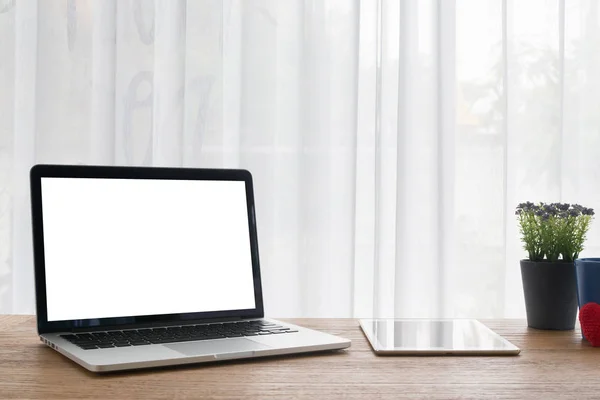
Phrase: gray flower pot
pixel 550 290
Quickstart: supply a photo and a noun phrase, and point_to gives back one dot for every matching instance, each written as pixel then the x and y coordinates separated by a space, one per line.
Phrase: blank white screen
pixel 125 247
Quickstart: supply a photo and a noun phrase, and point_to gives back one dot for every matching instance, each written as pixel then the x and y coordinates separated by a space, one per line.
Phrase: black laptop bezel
pixel 40 171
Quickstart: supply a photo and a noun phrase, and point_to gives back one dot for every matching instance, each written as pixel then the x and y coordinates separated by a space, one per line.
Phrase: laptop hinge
pixel 158 324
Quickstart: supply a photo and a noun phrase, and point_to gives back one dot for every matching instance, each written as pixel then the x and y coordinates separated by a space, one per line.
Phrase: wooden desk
pixel 551 365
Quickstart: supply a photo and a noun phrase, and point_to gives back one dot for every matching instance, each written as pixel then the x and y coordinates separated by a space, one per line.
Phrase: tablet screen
pixel 436 337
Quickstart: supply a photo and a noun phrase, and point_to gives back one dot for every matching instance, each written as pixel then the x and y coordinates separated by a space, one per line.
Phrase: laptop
pixel 143 267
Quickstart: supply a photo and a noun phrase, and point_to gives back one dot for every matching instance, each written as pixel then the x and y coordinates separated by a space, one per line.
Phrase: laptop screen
pixel 137 247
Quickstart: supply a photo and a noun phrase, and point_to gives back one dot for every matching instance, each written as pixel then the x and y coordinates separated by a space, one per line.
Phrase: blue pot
pixel 588 280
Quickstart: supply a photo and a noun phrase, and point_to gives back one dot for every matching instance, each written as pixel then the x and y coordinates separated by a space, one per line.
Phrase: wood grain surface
pixel 551 365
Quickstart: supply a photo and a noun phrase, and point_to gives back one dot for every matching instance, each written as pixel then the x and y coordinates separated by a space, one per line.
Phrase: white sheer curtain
pixel 390 140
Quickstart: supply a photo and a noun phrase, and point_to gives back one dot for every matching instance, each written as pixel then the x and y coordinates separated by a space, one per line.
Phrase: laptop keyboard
pixel 187 333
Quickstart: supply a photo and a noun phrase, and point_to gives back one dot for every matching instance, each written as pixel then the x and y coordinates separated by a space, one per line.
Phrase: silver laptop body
pixel 140 267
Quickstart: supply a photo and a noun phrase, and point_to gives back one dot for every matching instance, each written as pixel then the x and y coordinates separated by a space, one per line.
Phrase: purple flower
pixel 550 209
pixel 545 217
pixel 527 206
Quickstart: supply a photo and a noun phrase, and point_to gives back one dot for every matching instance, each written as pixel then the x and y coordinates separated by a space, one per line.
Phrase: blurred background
pixel 390 141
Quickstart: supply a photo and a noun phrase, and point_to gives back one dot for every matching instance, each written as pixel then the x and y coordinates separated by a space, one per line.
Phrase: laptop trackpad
pixel 216 347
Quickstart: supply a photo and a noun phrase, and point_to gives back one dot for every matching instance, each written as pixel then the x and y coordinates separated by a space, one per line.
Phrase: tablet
pixel 434 337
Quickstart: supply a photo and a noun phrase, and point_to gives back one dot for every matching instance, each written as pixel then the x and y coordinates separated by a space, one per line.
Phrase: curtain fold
pixel 102 118
pixel 169 80
pixel 389 140
pixel 26 111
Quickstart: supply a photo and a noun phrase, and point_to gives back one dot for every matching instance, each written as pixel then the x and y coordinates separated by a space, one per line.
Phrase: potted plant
pixel 553 236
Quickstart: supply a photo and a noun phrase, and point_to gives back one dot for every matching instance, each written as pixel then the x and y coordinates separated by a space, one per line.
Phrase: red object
pixel 589 317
